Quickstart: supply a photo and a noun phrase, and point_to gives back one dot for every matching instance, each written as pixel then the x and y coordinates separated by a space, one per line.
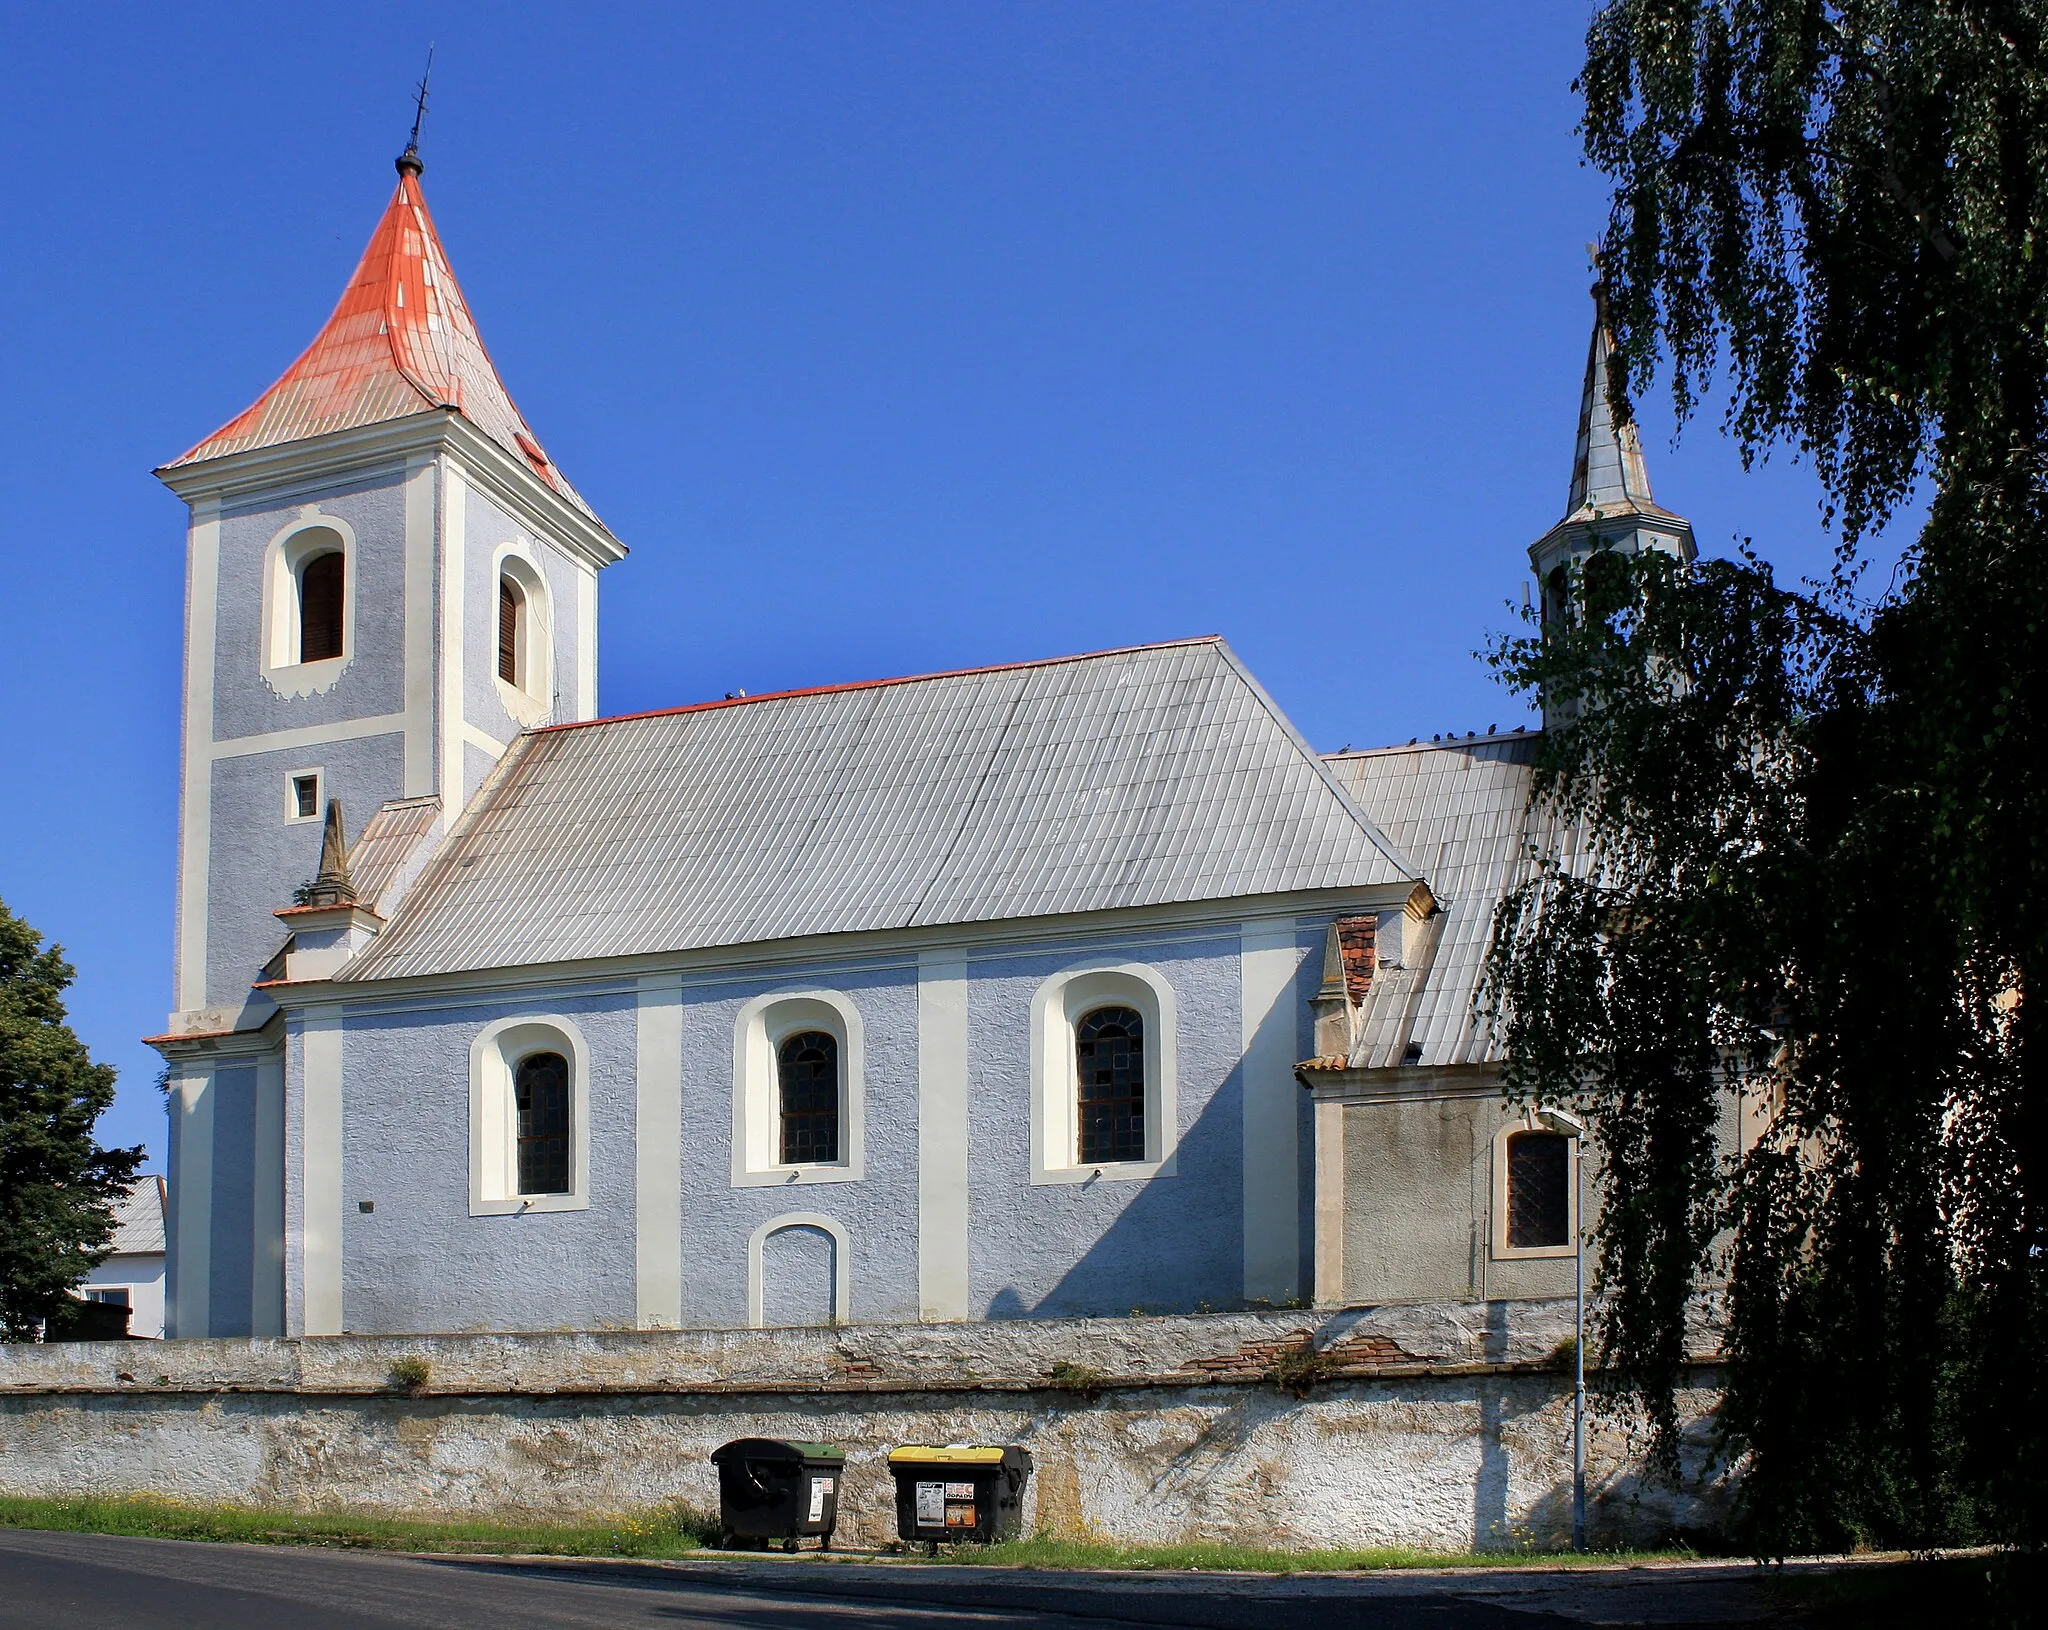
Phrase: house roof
pixel 400 342
pixel 1138 777
pixel 1461 811
pixel 139 1218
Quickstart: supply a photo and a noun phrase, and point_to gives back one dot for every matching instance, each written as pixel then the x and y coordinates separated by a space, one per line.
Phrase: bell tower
pixel 387 579
pixel 1609 506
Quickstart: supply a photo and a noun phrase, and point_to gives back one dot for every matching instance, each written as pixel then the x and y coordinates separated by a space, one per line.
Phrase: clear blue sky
pixel 890 336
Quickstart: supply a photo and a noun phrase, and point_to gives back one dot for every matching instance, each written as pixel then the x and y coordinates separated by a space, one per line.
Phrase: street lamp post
pixel 1572 1127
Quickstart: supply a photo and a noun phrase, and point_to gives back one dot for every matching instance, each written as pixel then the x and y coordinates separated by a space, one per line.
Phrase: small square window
pixel 302 796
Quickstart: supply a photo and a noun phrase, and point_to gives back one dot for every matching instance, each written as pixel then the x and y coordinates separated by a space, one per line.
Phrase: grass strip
pixel 679 1530
pixel 661 1532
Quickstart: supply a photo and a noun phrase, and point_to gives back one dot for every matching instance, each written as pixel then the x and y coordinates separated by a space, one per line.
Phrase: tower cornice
pixel 437 430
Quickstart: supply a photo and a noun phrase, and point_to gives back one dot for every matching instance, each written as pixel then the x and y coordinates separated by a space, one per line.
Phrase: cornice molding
pixel 485 464
pixel 998 935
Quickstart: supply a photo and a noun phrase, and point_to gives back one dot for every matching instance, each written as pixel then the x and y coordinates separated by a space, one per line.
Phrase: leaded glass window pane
pixel 807 1077
pixel 1109 1064
pixel 1539 1190
pixel 540 1092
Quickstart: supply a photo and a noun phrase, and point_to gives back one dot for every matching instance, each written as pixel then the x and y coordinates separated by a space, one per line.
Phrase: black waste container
pixel 961 1491
pixel 770 1490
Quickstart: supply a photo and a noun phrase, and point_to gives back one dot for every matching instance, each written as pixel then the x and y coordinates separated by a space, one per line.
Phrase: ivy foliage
pixel 57 1185
pixel 1787 961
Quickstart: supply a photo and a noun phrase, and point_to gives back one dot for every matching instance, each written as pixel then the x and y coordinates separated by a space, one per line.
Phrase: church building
pixel 1068 987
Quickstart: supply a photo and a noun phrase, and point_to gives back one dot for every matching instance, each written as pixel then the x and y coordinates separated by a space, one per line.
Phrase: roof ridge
pixel 1520 733
pixel 877 684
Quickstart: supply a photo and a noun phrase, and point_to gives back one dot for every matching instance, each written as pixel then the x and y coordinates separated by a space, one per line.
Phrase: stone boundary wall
pixel 1444 1426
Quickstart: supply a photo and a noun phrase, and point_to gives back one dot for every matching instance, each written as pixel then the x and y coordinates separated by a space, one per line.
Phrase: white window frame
pixel 1504 1252
pixel 1056 1007
pixel 759 1030
pixel 494 1057
pixel 530 698
pixel 291 803
pixel 312 533
pixel 842 1265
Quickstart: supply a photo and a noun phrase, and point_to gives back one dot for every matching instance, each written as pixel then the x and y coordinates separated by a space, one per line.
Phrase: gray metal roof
pixel 1129 778
pixel 1461 812
pixel 386 851
pixel 139 1218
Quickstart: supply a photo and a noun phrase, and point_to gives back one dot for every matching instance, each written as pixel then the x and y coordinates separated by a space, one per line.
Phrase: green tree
pixel 57 1185
pixel 1818 822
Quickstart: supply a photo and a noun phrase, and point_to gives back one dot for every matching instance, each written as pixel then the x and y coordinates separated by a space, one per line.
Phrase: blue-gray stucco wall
pixel 259 856
pixel 879 1213
pixel 1170 1244
pixel 231 1275
pixel 373 683
pixel 419 1262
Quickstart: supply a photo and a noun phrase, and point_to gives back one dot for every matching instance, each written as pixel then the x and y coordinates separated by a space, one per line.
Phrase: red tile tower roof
pixel 401 342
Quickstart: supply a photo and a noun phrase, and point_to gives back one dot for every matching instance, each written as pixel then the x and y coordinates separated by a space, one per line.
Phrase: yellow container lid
pixel 950 1454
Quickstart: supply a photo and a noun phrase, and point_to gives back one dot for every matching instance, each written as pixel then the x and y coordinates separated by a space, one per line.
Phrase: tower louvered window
pixel 1109 1059
pixel 1539 1190
pixel 321 582
pixel 807 1079
pixel 509 608
pixel 540 1090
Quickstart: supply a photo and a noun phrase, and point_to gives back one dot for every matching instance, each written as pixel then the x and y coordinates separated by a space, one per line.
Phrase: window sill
pixel 1119 1171
pixel 1534 1253
pixel 522 705
pixel 796 1177
pixel 297 679
pixel 529 1205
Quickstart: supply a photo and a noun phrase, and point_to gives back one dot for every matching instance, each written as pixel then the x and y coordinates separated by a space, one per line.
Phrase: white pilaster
pixel 320 1172
pixel 195 815
pixel 658 1155
pixel 419 624
pixel 1268 959
pixel 454 561
pixel 942 1183
pixel 586 643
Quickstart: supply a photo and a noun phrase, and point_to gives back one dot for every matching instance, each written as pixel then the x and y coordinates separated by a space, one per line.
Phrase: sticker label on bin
pixel 820 1487
pixel 946 1505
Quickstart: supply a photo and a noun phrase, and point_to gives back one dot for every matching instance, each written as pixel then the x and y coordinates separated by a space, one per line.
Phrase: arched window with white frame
pixel 1104 1075
pixel 529 1117
pixel 798 1093
pixel 522 658
pixel 309 595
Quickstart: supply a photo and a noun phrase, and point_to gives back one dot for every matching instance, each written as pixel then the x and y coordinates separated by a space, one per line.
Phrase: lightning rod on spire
pixel 409 160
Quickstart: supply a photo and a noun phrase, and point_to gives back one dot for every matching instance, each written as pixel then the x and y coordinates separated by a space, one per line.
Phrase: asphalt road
pixel 76 1581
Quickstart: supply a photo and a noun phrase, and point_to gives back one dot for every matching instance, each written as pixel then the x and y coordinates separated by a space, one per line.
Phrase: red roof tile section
pixel 401 342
